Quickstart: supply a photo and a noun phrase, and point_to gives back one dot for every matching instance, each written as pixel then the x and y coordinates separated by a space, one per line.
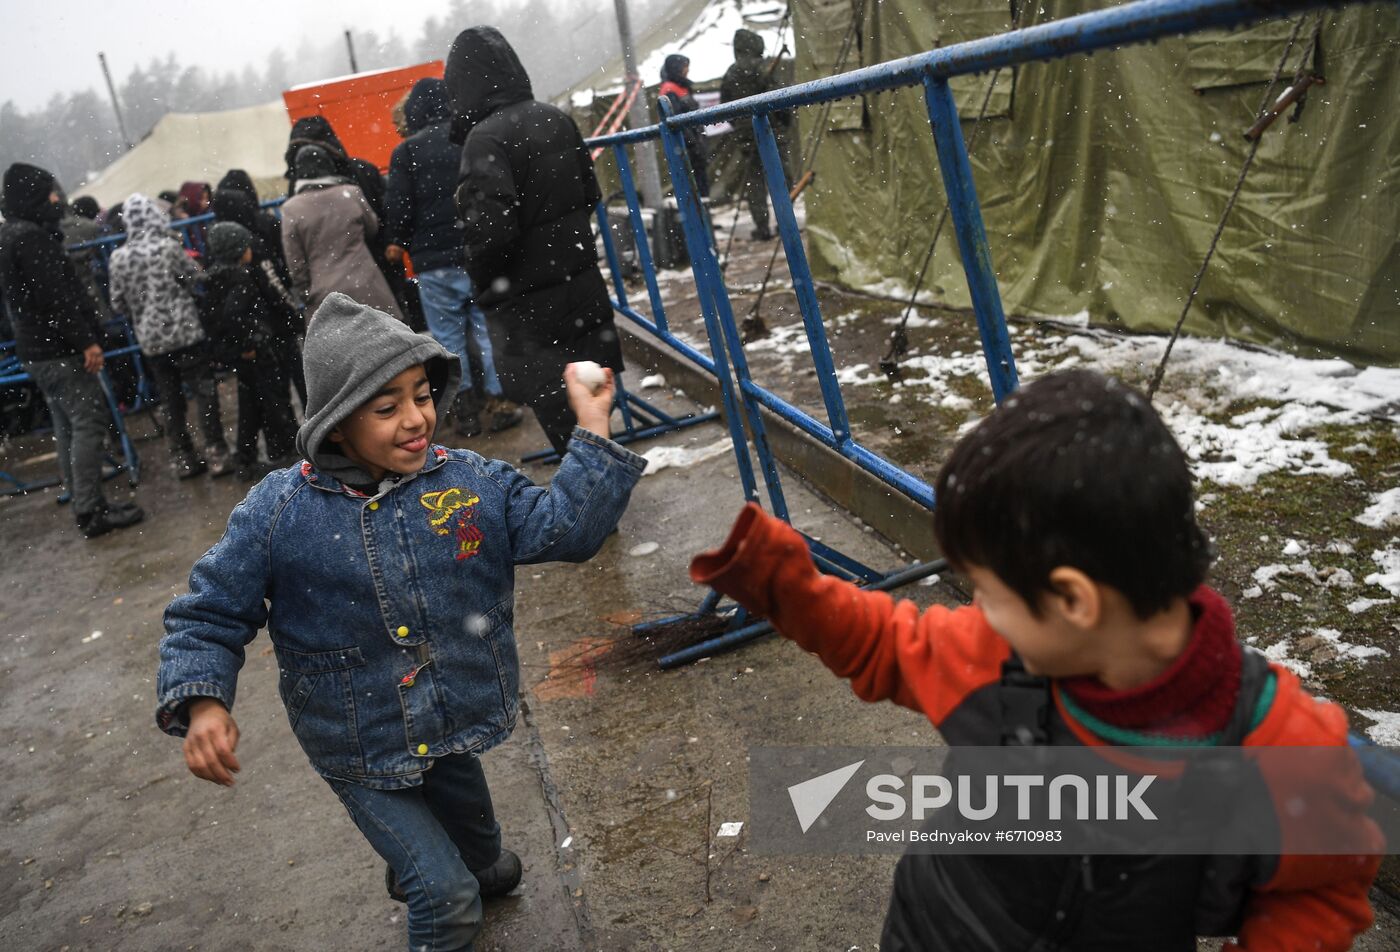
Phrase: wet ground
pixel 110 844
pixel 613 788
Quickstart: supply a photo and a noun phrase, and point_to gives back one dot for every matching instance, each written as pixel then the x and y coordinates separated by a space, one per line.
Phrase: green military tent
pixel 1102 178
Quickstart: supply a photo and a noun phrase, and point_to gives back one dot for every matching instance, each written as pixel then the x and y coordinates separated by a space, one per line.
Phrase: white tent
pixel 199 147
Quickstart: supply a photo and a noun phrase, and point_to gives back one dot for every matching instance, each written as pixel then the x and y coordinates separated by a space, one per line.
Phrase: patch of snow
pixel 1388 577
pixel 1294 547
pixel 1278 653
pixel 652 381
pixel 661 457
pixel 1340 547
pixel 916 320
pixel 1386 730
pixel 1347 650
pixel 1362 604
pixel 1384 511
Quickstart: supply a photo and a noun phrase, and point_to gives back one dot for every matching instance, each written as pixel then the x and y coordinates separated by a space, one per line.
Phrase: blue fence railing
pixel 744 398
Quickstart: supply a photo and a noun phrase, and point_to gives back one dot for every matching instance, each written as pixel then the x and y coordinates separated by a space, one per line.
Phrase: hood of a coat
pixel 483 74
pixel 350 352
pixel 315 130
pixel 747 43
pixel 233 204
pixel 673 70
pixel 26 195
pixel 142 213
pixel 237 179
pixel 194 198
pixel 427 104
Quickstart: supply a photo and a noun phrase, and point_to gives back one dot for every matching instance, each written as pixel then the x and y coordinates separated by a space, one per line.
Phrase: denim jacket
pixel 391 614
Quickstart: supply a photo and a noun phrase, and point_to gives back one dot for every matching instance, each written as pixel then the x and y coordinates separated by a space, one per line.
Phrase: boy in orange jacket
pixel 1070 510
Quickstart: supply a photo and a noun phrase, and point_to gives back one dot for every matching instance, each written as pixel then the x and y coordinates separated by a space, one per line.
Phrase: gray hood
pixel 350 352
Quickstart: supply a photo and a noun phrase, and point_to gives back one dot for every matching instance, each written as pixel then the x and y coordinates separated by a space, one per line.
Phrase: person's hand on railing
pixel 93 359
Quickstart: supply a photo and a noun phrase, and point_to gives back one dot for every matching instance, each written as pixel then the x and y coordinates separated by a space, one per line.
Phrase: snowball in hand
pixel 590 374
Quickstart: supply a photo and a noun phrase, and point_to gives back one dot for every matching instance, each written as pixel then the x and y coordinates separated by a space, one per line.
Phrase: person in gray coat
pixel 325 226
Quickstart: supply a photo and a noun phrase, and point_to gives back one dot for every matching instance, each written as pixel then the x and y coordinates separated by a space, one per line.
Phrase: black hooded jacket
pixel 51 315
pixel 421 215
pixel 316 130
pixel 526 195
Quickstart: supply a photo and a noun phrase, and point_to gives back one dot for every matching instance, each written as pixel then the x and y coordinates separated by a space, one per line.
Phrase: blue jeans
pixel 433 836
pixel 446 294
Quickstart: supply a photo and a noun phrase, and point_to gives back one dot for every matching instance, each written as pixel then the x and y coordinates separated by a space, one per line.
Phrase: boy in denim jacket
pixel 389 566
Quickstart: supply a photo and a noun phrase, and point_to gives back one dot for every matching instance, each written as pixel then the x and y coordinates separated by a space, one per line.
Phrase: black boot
pixel 496 880
pixel 466 413
pixel 109 517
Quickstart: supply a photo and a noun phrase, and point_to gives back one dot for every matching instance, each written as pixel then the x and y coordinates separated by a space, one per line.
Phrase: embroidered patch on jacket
pixel 453 512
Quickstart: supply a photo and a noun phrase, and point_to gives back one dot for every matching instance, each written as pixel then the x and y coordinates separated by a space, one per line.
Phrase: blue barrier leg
pixel 634 211
pixel 719 322
pixel 610 251
pixel 972 235
pixel 802 284
pixel 691 224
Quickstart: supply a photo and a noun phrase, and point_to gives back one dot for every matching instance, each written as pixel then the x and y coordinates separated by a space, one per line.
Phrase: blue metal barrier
pixel 1131 23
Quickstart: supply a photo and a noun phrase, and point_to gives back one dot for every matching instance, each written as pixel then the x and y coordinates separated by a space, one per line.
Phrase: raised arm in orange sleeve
pixel 927 662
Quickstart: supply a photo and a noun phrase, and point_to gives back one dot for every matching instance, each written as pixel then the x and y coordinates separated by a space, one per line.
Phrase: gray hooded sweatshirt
pixel 350 352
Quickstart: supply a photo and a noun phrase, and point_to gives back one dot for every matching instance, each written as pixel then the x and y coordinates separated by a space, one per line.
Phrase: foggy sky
pixel 52 47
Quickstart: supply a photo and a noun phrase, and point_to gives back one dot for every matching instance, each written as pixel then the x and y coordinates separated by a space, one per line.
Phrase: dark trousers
pixel 264 406
pixel 756 191
pixel 433 836
pixel 80 422
pixel 556 417
pixel 189 366
pixel 288 351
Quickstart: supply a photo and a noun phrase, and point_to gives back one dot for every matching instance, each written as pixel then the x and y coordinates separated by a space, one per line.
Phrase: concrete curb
pixel 895 516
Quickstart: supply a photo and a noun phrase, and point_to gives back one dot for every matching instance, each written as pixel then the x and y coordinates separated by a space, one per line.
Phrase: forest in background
pixel 75 134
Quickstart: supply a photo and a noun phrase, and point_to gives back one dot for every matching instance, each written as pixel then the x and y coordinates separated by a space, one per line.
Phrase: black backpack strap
pixel 1025 706
pixel 1254 674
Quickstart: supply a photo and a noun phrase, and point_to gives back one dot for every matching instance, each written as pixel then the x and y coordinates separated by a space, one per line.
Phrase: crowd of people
pixel 389 589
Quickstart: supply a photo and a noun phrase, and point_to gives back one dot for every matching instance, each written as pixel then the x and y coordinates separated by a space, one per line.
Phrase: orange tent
pixel 358 107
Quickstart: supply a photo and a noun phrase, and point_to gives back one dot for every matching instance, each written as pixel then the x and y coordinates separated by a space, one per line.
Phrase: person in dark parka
pixel 749 76
pixel 422 220
pixel 58 340
pixel 677 87
pixel 236 201
pixel 526 195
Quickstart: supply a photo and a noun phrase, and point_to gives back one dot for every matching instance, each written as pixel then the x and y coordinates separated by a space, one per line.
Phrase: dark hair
pixel 1074 469
pixel 86 206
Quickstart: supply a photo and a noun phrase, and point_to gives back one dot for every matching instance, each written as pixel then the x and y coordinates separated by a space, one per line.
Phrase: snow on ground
pixel 1227 450
pixel 1360 605
pixel 709 42
pixel 1347 650
pixel 1386 730
pixel 1278 653
pixel 662 457
pixel 1388 559
pixel 1384 511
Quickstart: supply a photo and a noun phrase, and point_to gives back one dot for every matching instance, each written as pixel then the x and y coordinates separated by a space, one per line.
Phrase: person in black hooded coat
pixel 239 204
pixel 423 220
pixel 58 340
pixel 526 194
